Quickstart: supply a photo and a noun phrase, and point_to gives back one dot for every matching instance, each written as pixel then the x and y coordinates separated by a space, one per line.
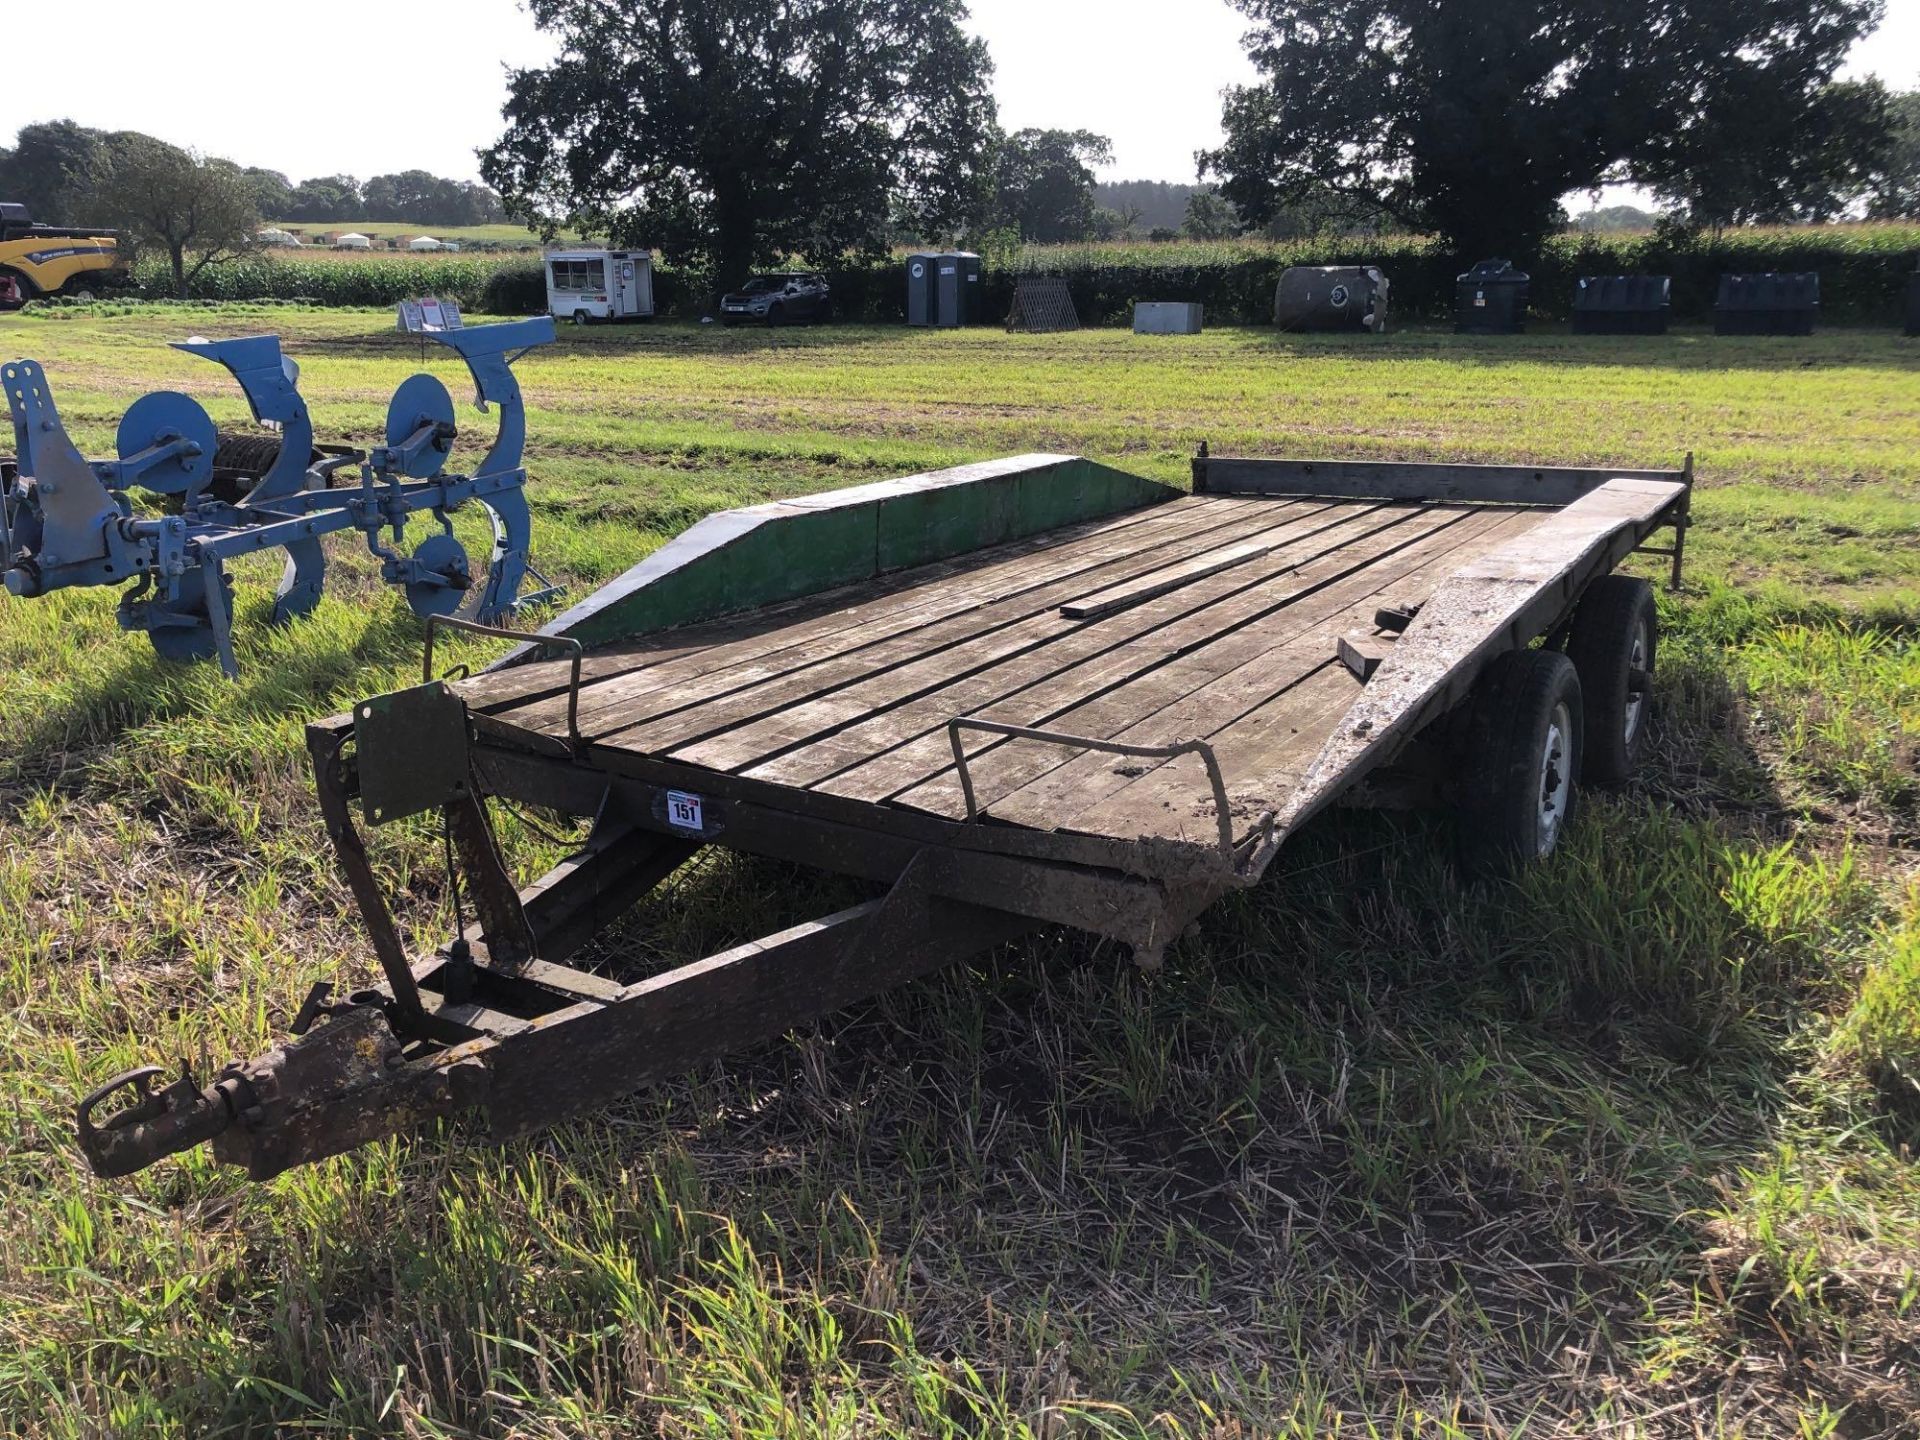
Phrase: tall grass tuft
pixel 1881 1032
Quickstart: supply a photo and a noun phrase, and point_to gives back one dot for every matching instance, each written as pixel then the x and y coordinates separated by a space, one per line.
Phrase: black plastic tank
pixel 1491 299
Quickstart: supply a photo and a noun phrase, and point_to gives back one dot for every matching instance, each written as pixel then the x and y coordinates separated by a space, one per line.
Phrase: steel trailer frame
pixel 496 1020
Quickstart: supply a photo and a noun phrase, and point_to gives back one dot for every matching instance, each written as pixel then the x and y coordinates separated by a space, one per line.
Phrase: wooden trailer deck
pixel 1212 616
pixel 1212 623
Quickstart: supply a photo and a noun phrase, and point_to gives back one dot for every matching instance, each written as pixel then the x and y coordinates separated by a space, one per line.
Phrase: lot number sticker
pixel 684 811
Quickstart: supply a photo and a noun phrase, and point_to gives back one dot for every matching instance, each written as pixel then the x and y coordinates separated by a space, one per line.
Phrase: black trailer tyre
pixel 1612 640
pixel 580 317
pixel 1523 753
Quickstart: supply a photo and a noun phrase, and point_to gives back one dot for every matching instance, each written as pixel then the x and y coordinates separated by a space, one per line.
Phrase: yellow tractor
pixel 54 260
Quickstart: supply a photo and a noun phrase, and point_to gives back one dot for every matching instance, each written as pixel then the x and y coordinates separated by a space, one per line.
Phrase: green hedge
pixel 1863 275
pixel 1863 271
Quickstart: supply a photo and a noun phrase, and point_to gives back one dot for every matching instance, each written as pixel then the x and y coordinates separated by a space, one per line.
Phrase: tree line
pixel 201 210
pixel 61 170
pixel 736 133
pixel 739 132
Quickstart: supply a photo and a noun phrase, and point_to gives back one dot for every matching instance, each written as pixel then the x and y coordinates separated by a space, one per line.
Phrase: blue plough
pixel 66 521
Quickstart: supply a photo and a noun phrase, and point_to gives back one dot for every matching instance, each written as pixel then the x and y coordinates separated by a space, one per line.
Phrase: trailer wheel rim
pixel 1556 778
pixel 1636 707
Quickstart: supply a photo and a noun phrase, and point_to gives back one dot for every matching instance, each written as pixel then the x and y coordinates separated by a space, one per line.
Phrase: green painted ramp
pixel 742 559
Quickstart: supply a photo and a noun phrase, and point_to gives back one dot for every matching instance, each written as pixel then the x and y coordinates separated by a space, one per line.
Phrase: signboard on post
pixel 428 315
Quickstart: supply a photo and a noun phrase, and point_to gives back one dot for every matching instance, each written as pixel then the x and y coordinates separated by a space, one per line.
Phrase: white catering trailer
pixel 585 285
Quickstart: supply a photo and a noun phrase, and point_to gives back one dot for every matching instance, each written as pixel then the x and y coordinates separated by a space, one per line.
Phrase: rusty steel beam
pixel 353 1079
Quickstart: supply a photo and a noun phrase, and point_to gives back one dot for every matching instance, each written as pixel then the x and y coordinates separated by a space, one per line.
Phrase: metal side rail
pixel 1233 869
pixel 576 653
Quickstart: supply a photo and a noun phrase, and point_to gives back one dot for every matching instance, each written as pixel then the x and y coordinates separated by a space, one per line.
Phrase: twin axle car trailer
pixel 1027 693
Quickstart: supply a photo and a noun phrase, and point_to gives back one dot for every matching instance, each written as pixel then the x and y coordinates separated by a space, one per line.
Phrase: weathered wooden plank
pixel 1404 480
pixel 795 621
pixel 888 756
pixel 747 723
pixel 952 604
pixel 1498 602
pixel 1262 746
pixel 1260 756
pixel 1203 692
pixel 1171 577
pixel 950 598
pixel 850 726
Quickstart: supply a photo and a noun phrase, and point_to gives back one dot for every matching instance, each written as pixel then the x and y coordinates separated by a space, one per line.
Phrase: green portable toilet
pixel 973 305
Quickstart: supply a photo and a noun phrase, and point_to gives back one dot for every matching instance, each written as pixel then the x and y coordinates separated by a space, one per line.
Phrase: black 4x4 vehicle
pixel 778 300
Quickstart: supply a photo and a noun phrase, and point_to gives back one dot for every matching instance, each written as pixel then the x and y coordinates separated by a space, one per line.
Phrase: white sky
pixel 368 87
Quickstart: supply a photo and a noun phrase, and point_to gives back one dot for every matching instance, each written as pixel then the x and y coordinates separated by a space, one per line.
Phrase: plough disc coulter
pixel 66 521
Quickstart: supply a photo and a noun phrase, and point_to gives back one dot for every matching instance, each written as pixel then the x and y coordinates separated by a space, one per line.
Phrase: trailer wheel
pixel 1612 640
pixel 1523 752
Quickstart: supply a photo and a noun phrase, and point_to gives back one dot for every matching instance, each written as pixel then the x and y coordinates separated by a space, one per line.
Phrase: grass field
pixel 1623 1148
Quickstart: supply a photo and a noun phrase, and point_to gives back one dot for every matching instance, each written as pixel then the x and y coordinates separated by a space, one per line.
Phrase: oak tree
pixel 1043 183
pixel 1894 193
pixel 1472 120
pixel 1776 165
pixel 735 132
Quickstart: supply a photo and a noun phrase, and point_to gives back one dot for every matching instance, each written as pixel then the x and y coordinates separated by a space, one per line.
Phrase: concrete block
pixel 1166 317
